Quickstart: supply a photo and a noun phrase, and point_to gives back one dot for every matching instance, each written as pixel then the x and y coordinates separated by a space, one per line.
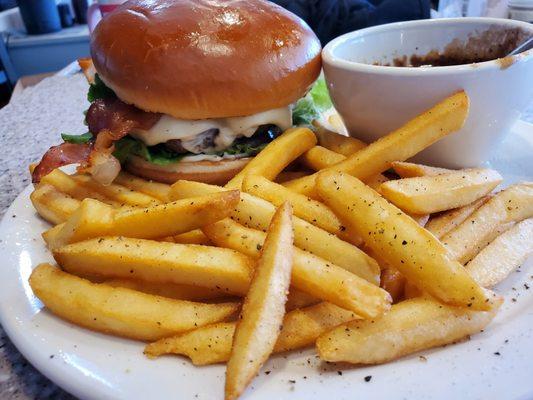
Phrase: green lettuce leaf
pixel 99 90
pixel 158 154
pixel 312 105
pixel 243 149
pixel 77 139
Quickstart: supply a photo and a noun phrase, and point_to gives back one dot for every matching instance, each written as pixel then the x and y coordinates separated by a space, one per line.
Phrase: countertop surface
pixel 29 125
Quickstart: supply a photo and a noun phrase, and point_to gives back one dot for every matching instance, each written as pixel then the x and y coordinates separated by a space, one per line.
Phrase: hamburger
pixel 189 89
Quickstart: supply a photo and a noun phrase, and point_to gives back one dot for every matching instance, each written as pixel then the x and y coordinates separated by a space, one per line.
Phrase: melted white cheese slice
pixel 168 128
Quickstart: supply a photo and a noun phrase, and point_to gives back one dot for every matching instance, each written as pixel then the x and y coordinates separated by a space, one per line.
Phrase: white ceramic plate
pixel 495 364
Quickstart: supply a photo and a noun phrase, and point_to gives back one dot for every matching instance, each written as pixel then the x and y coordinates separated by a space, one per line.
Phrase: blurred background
pixel 41 37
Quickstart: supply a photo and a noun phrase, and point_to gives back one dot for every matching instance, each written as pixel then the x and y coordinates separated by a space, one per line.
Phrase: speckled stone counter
pixel 29 125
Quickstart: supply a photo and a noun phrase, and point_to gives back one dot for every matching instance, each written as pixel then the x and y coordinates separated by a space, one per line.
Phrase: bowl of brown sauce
pixel 381 77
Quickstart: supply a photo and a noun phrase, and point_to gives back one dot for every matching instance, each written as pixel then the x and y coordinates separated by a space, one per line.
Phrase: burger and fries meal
pixel 244 223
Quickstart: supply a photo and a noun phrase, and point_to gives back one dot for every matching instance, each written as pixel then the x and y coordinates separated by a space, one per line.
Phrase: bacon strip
pixel 57 156
pixel 109 120
pixel 116 119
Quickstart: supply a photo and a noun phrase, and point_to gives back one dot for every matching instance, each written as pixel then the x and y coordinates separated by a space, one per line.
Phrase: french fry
pixel 212 344
pixel 393 282
pixel 295 299
pixel 420 219
pixel 120 311
pixel 336 142
pixel 319 157
pixel 262 313
pixel 276 155
pixel 117 193
pixel 446 117
pixel 256 213
pixel 298 299
pixel 160 191
pixel 445 222
pixel 410 291
pixel 118 257
pixel 410 326
pixel 400 241
pixel 87 67
pixel 411 170
pixel 94 219
pixel 66 184
pixel 502 256
pixel 310 273
pixel 192 237
pixel 308 209
pixel 170 290
pixel 53 205
pixel 431 194
pixel 290 175
pixel 510 205
pixel 335 120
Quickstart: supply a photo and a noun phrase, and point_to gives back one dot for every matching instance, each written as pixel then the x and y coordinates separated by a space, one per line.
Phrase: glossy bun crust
pixel 196 59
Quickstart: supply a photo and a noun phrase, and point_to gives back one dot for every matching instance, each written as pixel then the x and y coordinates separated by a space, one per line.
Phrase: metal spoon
pixel 524 46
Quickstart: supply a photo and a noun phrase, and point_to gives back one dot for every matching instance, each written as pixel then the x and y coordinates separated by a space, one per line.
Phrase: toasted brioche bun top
pixel 196 59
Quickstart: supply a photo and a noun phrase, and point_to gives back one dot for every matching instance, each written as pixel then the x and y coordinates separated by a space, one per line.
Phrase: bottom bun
pixel 213 172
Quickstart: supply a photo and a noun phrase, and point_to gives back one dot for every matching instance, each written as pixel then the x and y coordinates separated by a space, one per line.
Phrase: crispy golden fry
pixel 94 219
pixel 53 205
pixel 410 326
pixel 160 191
pixel 393 282
pixel 192 237
pixel 308 209
pixel 276 155
pixel 506 253
pixel 87 67
pixel 410 291
pixel 117 193
pixel 290 175
pixel 310 274
pixel 336 142
pixel 510 205
pixel 420 219
pixel 66 184
pixel 262 313
pixel 170 290
pixel 120 311
pixel 256 213
pixel 298 299
pixel 295 299
pixel 431 194
pixel 375 181
pixel 212 344
pixel 337 123
pixel 400 241
pixel 445 117
pixel 148 260
pixel 445 222
pixel 319 157
pixel 410 170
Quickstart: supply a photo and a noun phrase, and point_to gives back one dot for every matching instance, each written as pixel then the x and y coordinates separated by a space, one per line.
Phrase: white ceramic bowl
pixel 374 100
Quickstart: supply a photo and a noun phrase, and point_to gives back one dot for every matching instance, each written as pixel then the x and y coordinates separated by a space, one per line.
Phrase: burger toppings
pixel 63 154
pixel 116 118
pixel 118 131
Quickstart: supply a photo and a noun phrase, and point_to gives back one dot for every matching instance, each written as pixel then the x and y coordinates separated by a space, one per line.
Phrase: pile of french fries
pixel 321 240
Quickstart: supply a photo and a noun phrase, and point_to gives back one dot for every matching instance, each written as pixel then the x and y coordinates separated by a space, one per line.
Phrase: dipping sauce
pixel 486 46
